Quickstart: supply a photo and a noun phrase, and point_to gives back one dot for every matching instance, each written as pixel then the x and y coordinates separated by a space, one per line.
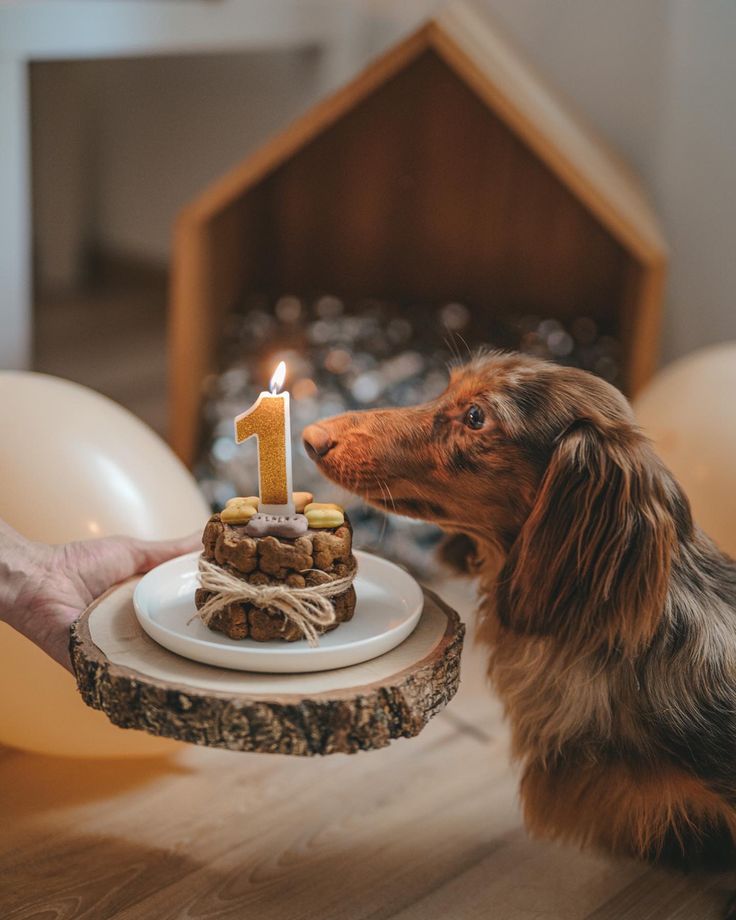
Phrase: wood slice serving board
pixel 139 684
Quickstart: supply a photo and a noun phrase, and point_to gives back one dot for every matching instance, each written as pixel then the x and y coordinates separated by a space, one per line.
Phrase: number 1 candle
pixel 269 422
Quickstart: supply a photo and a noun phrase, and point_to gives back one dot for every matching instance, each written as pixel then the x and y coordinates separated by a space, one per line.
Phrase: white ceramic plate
pixel 389 606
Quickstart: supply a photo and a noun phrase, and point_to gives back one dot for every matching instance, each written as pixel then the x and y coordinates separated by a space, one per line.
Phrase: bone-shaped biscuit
pixel 330 547
pixel 276 525
pixel 276 558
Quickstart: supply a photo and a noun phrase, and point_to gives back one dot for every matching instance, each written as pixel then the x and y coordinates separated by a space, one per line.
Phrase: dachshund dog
pixel 610 617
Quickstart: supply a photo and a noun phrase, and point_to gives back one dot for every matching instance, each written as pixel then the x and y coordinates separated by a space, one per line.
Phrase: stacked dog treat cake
pixel 265 583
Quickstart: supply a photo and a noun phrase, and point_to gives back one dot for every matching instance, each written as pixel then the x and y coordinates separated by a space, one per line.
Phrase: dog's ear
pixel 592 561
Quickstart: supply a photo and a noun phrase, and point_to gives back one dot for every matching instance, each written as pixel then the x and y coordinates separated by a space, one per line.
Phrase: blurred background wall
pixel 119 145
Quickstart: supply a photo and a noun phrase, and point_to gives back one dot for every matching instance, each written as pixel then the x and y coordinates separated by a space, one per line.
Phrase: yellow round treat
pixel 249 499
pixel 318 518
pixel 323 506
pixel 238 511
pixel 301 500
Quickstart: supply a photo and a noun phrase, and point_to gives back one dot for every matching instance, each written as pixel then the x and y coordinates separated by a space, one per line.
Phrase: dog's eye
pixel 474 417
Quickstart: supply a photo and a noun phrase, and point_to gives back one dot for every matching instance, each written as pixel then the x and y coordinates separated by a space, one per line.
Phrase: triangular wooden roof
pixel 494 70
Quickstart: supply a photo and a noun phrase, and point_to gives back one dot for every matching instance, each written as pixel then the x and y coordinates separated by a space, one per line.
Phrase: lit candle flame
pixel 277 381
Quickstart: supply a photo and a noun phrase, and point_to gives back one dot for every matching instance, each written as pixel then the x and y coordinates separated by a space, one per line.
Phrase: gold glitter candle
pixel 268 420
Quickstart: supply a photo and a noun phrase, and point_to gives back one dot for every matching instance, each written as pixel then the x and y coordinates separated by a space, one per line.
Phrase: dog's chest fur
pixel 555 702
pixel 676 699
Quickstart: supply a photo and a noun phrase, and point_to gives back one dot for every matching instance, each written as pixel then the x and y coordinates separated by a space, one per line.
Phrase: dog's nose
pixel 317 441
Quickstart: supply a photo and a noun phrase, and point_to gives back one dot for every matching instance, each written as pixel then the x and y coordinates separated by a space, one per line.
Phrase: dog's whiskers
pixel 449 341
pixel 467 347
pixel 391 498
pixel 384 524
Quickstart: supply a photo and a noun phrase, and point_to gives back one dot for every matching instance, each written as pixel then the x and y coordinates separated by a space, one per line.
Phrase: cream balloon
pixel 75 465
pixel 689 411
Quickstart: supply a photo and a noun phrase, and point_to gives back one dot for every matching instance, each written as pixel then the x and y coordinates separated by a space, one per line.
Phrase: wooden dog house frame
pixel 445 170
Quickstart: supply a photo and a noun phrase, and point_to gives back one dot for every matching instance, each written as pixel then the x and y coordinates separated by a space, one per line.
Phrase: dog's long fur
pixel 610 617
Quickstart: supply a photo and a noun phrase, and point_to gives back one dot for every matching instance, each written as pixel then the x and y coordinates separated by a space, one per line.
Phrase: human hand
pixel 43 589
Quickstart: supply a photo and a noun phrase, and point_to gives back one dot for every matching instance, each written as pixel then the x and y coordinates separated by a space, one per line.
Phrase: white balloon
pixel 689 411
pixel 75 465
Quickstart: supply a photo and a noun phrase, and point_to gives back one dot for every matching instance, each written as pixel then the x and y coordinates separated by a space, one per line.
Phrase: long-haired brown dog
pixel 611 618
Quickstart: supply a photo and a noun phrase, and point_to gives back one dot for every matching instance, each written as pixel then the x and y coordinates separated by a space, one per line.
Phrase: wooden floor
pixel 427 828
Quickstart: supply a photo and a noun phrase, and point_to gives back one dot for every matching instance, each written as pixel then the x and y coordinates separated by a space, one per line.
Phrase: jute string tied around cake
pixel 307 608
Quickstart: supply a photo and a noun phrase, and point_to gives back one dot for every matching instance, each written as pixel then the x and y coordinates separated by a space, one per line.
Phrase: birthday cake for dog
pixel 264 577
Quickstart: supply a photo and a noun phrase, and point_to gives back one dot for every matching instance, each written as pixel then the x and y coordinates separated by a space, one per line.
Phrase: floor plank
pixel 527 879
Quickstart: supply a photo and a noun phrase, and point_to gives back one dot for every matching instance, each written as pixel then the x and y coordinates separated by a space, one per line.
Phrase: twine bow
pixel 309 608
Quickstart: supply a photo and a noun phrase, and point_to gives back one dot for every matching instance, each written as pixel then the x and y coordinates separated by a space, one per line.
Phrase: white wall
pixel 695 182
pixel 15 330
pixel 655 77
